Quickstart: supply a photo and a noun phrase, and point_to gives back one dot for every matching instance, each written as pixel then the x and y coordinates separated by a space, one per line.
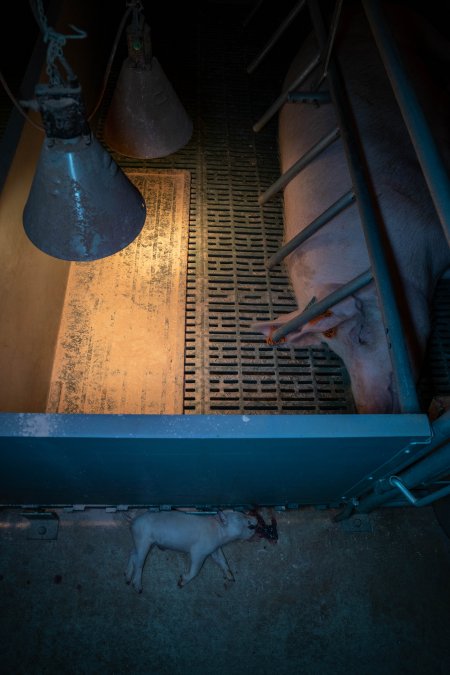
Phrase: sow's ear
pixel 312 333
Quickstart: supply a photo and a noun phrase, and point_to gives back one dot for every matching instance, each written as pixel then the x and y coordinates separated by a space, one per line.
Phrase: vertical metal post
pixel 401 366
pixel 428 154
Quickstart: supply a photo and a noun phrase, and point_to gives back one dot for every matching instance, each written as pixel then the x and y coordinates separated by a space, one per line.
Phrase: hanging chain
pixel 136 7
pixel 54 52
pixel 56 41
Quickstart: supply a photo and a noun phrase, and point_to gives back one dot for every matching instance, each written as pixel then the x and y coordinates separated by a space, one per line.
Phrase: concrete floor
pixel 324 599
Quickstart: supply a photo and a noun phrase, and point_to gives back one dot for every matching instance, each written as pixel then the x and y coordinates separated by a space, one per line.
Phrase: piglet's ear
pixel 221 517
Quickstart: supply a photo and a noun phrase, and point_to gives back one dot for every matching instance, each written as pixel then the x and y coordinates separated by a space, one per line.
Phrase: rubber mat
pixel 121 341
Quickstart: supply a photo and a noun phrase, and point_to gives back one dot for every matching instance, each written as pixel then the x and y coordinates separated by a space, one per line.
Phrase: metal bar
pixel 282 98
pixel 424 501
pixel 433 497
pixel 401 366
pixel 397 483
pixel 299 165
pixel 435 464
pixel 252 13
pixel 330 42
pixel 428 153
pixel 320 307
pixel 309 97
pixel 313 227
pixel 276 36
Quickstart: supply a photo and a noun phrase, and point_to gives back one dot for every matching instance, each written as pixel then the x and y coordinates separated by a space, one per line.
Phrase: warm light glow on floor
pixel 121 341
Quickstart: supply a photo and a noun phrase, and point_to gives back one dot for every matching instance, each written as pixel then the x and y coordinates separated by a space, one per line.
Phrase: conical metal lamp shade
pixel 146 118
pixel 81 205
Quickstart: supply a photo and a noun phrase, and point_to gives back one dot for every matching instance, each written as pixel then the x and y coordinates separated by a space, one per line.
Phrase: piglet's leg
pixel 197 560
pixel 219 558
pixel 136 563
pixel 130 566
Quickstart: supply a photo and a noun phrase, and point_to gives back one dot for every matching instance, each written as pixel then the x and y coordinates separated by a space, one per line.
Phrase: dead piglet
pixel 197 535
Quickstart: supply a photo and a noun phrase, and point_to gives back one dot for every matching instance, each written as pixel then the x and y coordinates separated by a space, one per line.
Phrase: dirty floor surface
pixel 365 596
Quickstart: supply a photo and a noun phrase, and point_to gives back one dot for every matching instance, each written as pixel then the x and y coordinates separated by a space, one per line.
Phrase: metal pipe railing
pixel 435 464
pixel 344 202
pixel 427 151
pixel 397 483
pixel 252 13
pixel 322 305
pixel 401 366
pixel 282 98
pixel 328 46
pixel 299 165
pixel 276 36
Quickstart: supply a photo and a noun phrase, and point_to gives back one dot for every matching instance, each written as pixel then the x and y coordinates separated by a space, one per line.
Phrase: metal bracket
pixel 358 523
pixel 43 524
pixel 114 509
pixel 316 97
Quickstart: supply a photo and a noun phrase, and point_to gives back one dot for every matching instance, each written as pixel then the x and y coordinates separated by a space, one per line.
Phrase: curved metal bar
pixel 299 165
pixel 252 13
pixel 313 227
pixel 320 307
pixel 275 37
pixel 282 98
pixel 435 464
pixel 328 48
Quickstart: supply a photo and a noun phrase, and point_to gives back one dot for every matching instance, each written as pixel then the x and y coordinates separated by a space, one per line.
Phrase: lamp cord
pixel 54 51
pixel 129 9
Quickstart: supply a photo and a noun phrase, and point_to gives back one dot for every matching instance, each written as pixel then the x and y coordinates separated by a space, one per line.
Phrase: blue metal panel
pixel 201 460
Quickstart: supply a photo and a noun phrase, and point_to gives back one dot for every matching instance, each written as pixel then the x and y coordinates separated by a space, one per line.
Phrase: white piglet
pixel 197 535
